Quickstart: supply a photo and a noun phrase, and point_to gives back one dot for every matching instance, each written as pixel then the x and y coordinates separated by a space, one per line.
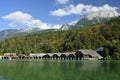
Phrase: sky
pixel 48 14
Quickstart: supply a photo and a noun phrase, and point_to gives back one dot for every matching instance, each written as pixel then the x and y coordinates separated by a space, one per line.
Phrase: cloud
pixel 18 17
pixel 60 12
pixel 25 19
pixel 57 26
pixel 62 1
pixel 80 9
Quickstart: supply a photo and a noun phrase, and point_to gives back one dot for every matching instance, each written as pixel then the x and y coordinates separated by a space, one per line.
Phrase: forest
pixel 106 35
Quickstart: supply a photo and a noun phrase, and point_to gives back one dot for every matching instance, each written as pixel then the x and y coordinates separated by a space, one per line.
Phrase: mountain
pixel 69 25
pixel 7 33
pixel 30 29
pixel 14 32
pixel 91 19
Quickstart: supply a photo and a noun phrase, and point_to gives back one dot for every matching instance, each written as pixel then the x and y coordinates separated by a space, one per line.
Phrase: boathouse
pixel 87 55
pixel 23 56
pixel 9 56
pixel 56 56
pixel 36 55
pixel 71 55
pixel 47 56
pixel 67 55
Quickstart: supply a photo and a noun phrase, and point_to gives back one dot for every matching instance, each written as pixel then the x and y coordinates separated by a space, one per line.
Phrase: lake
pixel 59 70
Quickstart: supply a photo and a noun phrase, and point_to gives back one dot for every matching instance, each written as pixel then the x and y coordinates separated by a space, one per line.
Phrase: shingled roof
pixel 92 53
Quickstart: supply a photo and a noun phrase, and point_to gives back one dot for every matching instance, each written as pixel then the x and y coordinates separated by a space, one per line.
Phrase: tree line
pixel 106 35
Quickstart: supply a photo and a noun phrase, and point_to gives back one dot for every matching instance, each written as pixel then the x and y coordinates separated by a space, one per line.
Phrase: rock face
pixel 69 25
pixel 93 18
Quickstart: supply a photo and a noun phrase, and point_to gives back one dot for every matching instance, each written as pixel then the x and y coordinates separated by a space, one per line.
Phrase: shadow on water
pixel 59 70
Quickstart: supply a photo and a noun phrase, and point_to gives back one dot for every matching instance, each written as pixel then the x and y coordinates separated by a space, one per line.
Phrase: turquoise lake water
pixel 59 70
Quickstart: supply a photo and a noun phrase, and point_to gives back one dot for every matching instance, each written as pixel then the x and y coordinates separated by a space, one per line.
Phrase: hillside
pixel 105 34
pixel 8 33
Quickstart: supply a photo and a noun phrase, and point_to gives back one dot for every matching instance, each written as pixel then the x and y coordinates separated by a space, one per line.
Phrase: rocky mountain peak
pixel 93 18
pixel 103 14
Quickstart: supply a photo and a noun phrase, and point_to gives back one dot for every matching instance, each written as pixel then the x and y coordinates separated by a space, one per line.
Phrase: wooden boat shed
pixel 88 55
pixel 54 56
pixel 9 56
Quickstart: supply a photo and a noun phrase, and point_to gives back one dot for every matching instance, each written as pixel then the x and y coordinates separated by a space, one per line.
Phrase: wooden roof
pixel 43 54
pixel 40 54
pixel 10 54
pixel 91 53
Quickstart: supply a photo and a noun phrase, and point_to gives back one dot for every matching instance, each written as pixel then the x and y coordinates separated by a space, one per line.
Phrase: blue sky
pixel 46 14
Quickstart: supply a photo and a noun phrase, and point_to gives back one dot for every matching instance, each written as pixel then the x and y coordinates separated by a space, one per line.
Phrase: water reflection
pixel 59 70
